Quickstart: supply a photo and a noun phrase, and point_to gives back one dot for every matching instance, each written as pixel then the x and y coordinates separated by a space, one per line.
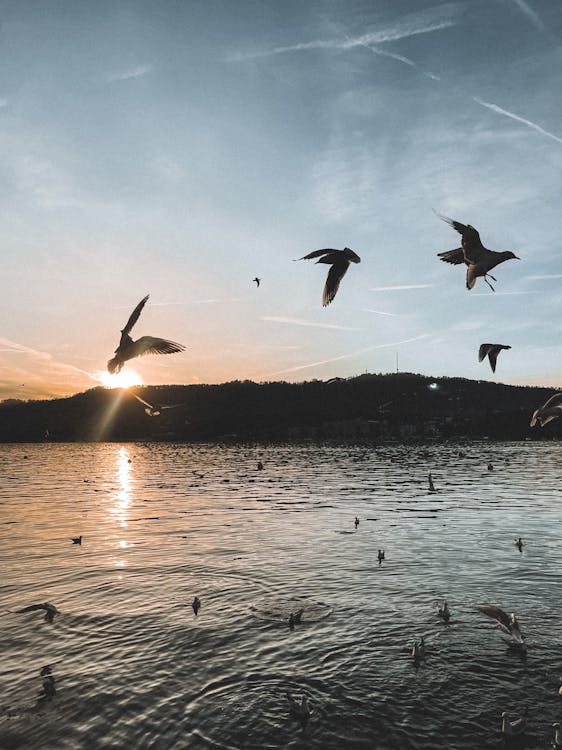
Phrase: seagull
pixel 550 410
pixel 443 611
pixel 196 604
pixel 491 351
pixel 513 727
pixel 257 281
pixel 478 259
pixel 431 485
pixel 519 544
pixel 380 556
pixel 128 349
pixel 300 711
pixel 76 539
pixel 154 411
pixel 506 622
pixel 339 260
pixel 356 522
pixel 557 739
pixel 49 609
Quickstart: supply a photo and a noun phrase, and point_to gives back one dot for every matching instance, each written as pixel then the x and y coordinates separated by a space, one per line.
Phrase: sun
pixel 123 379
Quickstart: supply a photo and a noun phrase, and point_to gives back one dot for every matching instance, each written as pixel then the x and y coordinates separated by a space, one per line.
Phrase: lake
pixel 133 666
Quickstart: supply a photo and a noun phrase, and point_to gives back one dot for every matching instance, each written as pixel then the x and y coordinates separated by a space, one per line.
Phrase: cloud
pixel 531 14
pixel 125 75
pixel 312 324
pixel 517 118
pixel 308 365
pixel 401 287
pixel 433 19
pixel 44 377
pixel 380 312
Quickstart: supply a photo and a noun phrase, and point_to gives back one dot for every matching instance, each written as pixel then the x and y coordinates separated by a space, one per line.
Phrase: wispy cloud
pixel 380 312
pixel 531 14
pixel 432 19
pixel 517 118
pixel 399 288
pixel 312 324
pixel 544 276
pixel 136 72
pixel 356 353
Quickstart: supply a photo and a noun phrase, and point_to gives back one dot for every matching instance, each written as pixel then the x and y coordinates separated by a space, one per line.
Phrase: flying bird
pixel 49 609
pixel 506 622
pixel 154 411
pixel 491 351
pixel 339 261
pixel 550 410
pixel 257 281
pixel 478 259
pixel 76 539
pixel 128 349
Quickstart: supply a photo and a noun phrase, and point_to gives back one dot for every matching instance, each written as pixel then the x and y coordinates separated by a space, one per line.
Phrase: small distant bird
pixel 557 738
pixel 260 466
pixel 519 544
pixel 257 281
pixel 295 618
pixel 513 727
pixel 418 650
pixel 356 522
pixel 478 259
pixel 300 711
pixel 490 467
pixel 431 485
pixel 154 411
pixel 506 622
pixel 76 539
pixel 128 349
pixel 550 410
pixel 49 609
pixel 380 556
pixel 196 604
pixel 491 351
pixel 339 260
pixel 443 611
pixel 48 683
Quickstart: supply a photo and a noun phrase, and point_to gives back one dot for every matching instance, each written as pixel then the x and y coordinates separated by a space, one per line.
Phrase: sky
pixel 179 149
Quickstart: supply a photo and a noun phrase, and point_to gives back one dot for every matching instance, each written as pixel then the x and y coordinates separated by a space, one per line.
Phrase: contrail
pixel 312 324
pixel 532 15
pixel 517 118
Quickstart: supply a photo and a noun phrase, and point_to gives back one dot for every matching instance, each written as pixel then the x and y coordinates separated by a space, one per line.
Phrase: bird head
pixel 351 256
pixel 509 255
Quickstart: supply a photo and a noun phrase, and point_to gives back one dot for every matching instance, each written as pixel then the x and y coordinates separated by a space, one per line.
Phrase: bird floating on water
pixel 490 467
pixel 128 349
pixel 154 411
pixel 418 650
pixel 76 539
pixel 491 351
pixel 257 281
pixel 511 727
pixel 300 711
pixel 519 544
pixel 506 622
pixel 339 260
pixel 443 611
pixel 380 556
pixel 356 522
pixel 551 409
pixel 431 485
pixel 196 604
pixel 557 735
pixel 295 618
pixel 49 609
pixel 478 259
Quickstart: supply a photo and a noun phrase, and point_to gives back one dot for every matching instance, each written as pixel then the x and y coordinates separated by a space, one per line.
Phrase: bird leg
pixel 487 282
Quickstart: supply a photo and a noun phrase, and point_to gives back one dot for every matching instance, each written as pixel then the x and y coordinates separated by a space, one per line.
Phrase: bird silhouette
pixel 339 260
pixel 128 349
pixel 506 622
pixel 491 351
pixel 430 482
pixel 76 539
pixel 443 611
pixel 49 609
pixel 257 281
pixel 551 409
pixel 196 604
pixel 154 411
pixel 478 259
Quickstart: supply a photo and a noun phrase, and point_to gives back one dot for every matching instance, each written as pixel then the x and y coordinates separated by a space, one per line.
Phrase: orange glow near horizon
pixel 124 379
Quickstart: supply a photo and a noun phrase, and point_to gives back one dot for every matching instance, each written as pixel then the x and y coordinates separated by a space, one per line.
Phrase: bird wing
pixel 535 418
pixel 483 351
pixel 138 398
pixel 171 406
pixel 134 316
pixel 554 401
pixel 497 614
pixel 467 231
pixel 153 345
pixel 335 275
pixel 455 256
pixel 32 608
pixel 318 253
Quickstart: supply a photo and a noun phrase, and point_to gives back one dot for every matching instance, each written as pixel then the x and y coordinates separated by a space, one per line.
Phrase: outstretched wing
pixel 134 316
pixel 554 401
pixel 455 256
pixel 138 398
pixel 483 351
pixel 153 345
pixel 335 275
pixel 32 608
pixel 468 232
pixel 497 614
pixel 318 253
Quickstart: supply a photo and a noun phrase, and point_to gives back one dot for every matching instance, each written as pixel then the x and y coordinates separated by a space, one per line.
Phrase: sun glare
pixel 124 379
